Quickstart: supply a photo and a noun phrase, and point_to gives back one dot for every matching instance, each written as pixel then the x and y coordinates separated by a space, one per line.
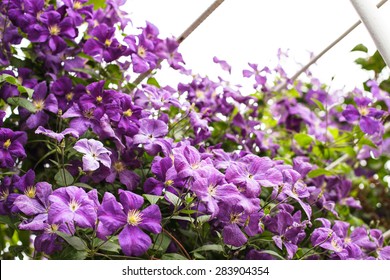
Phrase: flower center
pixel 119 166
pixel 212 190
pixel 88 114
pixel 199 93
pixel 7 144
pixel 336 246
pixel 363 111
pixel 169 183
pixel 73 205
pixel 52 228
pixel 3 195
pixel 141 51
pixel 39 105
pixel 128 113
pixel 30 191
pixel 54 30
pixel 107 42
pixel 134 217
pixel 235 218
pixel 69 96
pixel 99 99
pixel 77 5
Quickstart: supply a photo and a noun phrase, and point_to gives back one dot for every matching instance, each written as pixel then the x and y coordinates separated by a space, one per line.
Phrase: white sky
pixel 242 31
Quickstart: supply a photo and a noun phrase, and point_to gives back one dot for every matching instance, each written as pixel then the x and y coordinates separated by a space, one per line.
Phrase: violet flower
pixel 35 203
pixel 369 118
pixel 11 147
pixel 43 103
pixel 127 217
pixel 57 136
pixel 150 135
pixel 120 169
pixel 72 205
pixel 103 45
pixel 94 153
pixel 54 27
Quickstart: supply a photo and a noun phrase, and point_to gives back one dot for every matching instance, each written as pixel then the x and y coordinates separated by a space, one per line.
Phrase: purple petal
pixel 130 200
pixel 151 219
pixel 232 235
pixel 111 213
pixel 133 241
pixel 29 206
pixel 351 113
pixel 369 125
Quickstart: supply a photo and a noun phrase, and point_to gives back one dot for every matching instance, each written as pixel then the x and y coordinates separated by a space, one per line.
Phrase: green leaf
pixel 272 253
pixel 83 185
pixel 374 62
pixel 70 253
pixel 319 172
pixel 173 256
pixel 152 81
pixel 303 139
pixel 319 104
pixel 203 219
pixel 109 246
pixel 174 199
pixel 209 247
pixel 97 4
pixel 360 48
pixel 153 199
pixel 63 178
pixel 188 219
pixel 74 241
pixel 22 102
pixel 114 72
pixel 161 242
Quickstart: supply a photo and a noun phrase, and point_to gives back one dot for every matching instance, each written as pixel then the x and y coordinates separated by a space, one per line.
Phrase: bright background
pixel 242 31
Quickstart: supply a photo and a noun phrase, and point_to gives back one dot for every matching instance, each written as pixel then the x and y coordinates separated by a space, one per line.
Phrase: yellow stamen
pixel 73 205
pixel 235 218
pixel 39 105
pixel 69 96
pixel 107 42
pixel 119 166
pixel 30 192
pixel 77 5
pixel 363 111
pixel 4 194
pixel 128 113
pixel 54 30
pixel 99 99
pixel 134 217
pixel 212 190
pixel 141 51
pixel 7 144
pixel 169 183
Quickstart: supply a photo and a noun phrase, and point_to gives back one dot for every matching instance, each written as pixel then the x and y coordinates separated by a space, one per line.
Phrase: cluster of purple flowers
pixel 206 153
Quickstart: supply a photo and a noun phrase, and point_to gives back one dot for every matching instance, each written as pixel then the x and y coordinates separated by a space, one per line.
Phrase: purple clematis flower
pixel 150 135
pixel 94 153
pixel 43 103
pixel 368 117
pixel 289 230
pixel 127 217
pixel 11 146
pixel 53 29
pixel 35 203
pixel 120 169
pixel 103 45
pixel 72 205
pixel 48 241
pixel 212 189
pixel 57 136
pixel 7 195
pixel 234 217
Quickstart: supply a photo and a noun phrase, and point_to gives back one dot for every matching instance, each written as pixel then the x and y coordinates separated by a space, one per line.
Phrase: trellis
pixel 368 13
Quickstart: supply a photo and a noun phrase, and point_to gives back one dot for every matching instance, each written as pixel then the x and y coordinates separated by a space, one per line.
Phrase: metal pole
pixel 377 25
pixel 284 84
